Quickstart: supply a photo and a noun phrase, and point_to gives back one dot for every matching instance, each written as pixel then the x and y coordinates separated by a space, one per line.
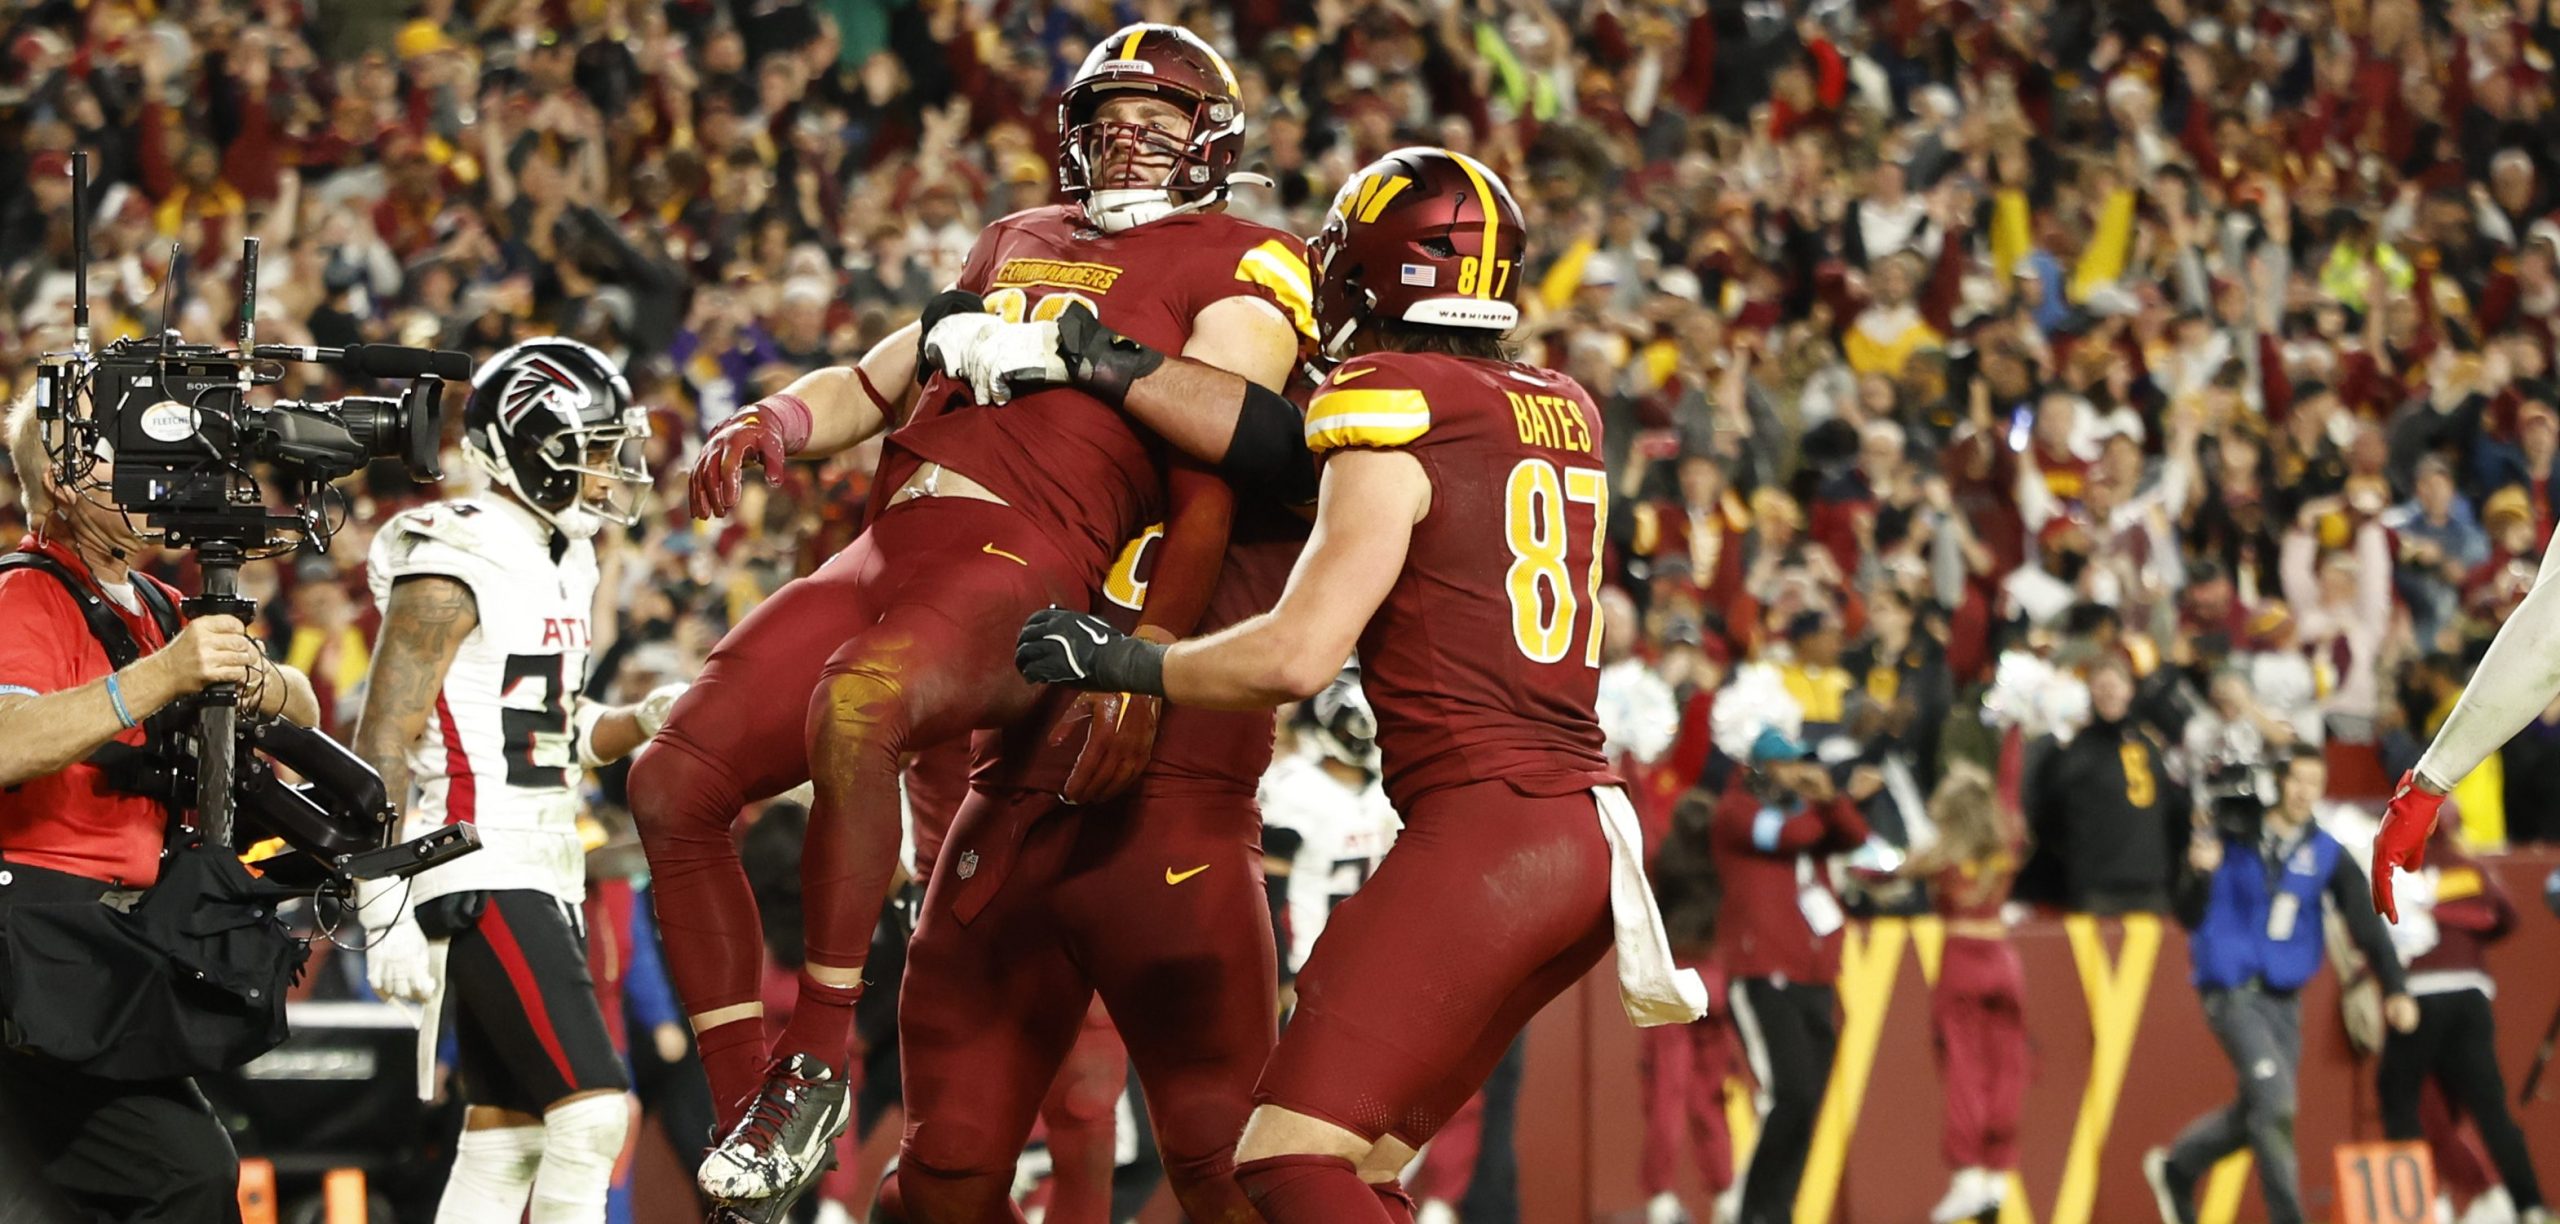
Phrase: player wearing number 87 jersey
pixel 1457 540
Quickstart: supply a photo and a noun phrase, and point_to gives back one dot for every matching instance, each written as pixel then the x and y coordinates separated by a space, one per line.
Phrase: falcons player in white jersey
pixel 472 714
pixel 1326 822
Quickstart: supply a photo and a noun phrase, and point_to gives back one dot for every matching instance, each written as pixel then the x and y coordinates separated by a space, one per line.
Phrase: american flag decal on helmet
pixel 541 384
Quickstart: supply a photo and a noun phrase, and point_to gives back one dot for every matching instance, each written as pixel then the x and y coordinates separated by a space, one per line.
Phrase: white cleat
pixel 785 1141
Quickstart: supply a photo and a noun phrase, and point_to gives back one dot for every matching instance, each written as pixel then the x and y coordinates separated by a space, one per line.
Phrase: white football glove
pixel 651 713
pixel 398 963
pixel 997 359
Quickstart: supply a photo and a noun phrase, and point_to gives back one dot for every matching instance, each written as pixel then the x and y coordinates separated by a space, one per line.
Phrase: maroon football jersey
pixel 1074 464
pixel 1196 748
pixel 1484 661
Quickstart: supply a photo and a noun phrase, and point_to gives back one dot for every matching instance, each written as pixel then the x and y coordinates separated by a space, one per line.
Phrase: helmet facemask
pixel 1186 182
pixel 553 424
pixel 1340 306
pixel 577 479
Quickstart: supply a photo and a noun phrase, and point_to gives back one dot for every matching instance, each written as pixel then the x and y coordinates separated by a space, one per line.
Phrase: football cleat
pixel 783 1144
pixel 2173 1192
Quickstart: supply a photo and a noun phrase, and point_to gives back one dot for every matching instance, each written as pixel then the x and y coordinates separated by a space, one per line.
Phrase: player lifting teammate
pixel 473 700
pixel 981 515
pixel 1153 902
pixel 1456 543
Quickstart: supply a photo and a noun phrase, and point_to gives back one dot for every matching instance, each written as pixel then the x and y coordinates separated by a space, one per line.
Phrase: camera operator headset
pixel 474 702
pixel 90 650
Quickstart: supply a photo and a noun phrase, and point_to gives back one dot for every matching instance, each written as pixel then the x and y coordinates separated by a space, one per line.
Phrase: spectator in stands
pixel 2439 541
pixel 2105 810
pixel 2345 611
pixel 2252 895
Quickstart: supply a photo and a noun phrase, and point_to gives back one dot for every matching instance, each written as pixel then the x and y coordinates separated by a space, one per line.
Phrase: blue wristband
pixel 115 694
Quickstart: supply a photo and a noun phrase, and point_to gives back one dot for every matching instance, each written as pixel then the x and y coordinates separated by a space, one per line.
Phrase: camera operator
pixel 2251 898
pixel 147 1150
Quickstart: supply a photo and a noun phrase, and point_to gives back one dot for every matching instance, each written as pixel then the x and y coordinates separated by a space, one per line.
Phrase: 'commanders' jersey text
pixel 1068 460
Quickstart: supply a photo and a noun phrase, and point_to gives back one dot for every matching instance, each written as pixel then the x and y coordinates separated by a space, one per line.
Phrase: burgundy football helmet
pixel 1173 65
pixel 1422 235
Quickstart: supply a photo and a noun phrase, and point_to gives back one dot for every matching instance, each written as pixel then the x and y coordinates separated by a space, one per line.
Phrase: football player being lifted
pixel 1460 515
pixel 980 515
pixel 474 714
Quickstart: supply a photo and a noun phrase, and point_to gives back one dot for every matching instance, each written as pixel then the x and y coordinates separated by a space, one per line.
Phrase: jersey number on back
pixel 1541 584
pixel 538 746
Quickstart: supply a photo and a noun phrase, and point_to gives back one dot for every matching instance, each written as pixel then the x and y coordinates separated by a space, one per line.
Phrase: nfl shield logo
pixel 1421 274
pixel 968 863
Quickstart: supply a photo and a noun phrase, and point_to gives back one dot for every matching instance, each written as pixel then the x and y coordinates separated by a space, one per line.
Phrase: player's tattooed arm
pixel 422 630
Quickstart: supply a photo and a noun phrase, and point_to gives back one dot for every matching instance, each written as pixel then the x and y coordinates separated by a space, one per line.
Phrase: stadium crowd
pixel 2012 381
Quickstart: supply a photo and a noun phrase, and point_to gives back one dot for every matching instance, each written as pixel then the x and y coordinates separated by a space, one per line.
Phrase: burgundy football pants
pixel 899 642
pixel 1490 905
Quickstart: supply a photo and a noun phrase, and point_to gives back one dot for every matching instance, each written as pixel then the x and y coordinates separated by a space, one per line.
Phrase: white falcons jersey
pixel 499 751
pixel 1343 832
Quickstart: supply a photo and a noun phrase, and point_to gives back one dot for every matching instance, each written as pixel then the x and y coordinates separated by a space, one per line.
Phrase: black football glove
pixel 1102 362
pixel 1082 651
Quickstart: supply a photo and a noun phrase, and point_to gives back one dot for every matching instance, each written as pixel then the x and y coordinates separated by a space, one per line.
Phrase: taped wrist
pixel 582 723
pixel 1268 452
pixel 1130 665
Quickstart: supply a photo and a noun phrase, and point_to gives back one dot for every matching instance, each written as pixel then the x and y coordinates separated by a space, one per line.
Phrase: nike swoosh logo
pixel 1343 376
pixel 1175 877
pixel 993 551
pixel 1095 634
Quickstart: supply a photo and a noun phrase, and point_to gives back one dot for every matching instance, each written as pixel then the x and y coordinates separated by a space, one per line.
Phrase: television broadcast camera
pixel 188 447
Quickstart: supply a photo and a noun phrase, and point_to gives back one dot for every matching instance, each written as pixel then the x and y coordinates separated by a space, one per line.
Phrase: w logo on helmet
pixel 541 384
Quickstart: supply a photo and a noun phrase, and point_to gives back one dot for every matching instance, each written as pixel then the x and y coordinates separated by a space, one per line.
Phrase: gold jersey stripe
pixel 1370 416
pixel 1278 268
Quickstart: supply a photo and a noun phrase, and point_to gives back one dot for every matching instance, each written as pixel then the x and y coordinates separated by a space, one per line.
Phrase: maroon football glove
pixel 762 432
pixel 2406 826
pixel 1119 739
